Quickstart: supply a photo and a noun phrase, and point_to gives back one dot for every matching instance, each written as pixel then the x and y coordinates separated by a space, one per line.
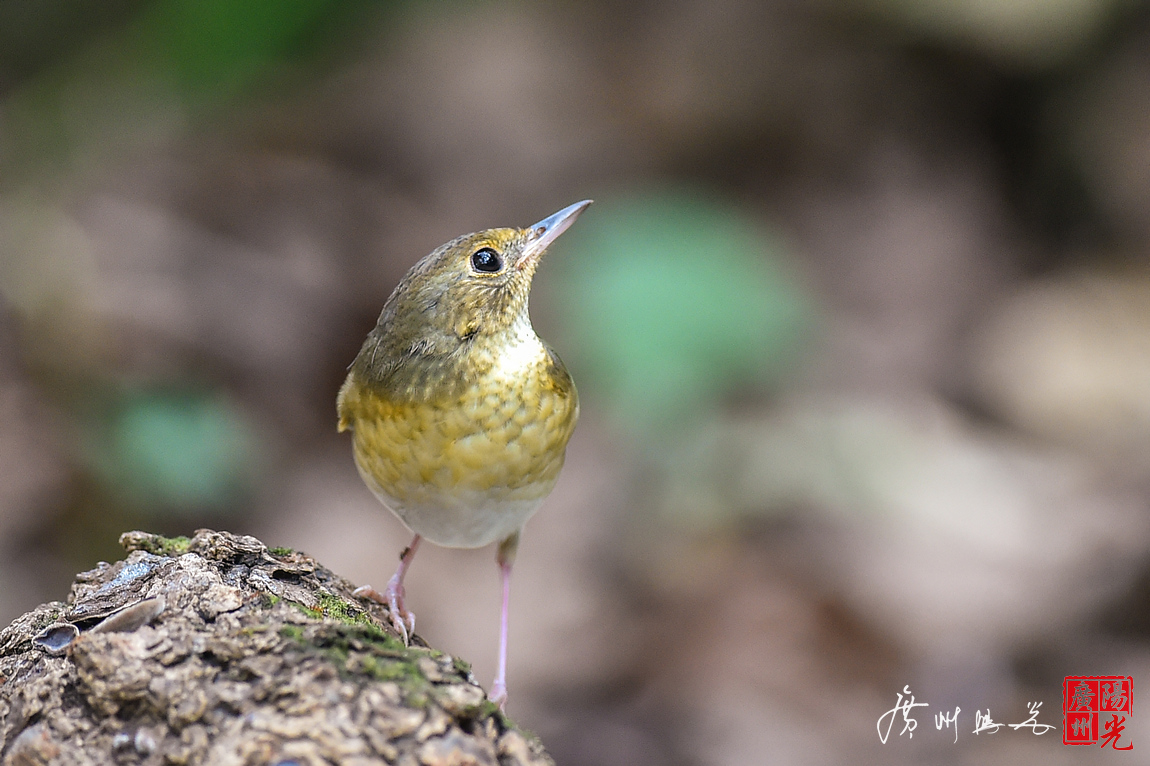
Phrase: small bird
pixel 460 413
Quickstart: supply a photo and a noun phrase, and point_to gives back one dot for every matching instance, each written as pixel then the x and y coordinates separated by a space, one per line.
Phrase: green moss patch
pixel 365 651
pixel 335 608
pixel 164 546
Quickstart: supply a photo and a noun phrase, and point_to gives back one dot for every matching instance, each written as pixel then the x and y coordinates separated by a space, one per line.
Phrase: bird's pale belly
pixel 468 471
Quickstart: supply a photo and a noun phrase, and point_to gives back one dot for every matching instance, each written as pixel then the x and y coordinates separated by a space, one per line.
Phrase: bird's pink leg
pixel 505 557
pixel 401 618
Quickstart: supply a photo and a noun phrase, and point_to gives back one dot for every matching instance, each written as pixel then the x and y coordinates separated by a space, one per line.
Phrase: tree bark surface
pixel 216 650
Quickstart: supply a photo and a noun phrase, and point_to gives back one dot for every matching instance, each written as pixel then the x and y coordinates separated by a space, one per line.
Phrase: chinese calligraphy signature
pixel 905 705
pixel 906 708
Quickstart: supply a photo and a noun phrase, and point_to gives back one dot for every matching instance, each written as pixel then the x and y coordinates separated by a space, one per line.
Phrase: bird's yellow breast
pixel 468 468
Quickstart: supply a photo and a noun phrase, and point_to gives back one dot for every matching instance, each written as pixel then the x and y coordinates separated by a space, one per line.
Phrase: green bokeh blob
pixel 175 451
pixel 219 45
pixel 672 301
pixel 120 86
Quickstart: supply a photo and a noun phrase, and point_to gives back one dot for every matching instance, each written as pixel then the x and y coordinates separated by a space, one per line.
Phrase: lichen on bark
pixel 215 650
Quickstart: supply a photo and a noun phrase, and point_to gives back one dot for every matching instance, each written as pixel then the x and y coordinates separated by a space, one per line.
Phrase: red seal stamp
pixel 1091 703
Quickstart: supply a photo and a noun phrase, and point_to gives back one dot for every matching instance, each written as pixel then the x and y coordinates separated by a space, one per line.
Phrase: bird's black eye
pixel 486 260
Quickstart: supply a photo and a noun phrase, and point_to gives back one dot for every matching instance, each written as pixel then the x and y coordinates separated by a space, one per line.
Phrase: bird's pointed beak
pixel 548 230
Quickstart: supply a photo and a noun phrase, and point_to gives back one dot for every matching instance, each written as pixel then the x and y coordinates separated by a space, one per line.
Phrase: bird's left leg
pixel 505 557
pixel 401 617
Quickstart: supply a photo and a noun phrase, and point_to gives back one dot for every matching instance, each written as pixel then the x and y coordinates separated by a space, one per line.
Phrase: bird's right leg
pixel 505 557
pixel 392 596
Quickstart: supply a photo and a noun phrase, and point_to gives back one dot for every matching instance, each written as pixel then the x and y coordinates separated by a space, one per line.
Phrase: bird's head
pixel 474 286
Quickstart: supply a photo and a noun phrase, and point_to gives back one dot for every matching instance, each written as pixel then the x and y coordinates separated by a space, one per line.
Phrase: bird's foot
pixel 392 597
pixel 498 694
pixel 401 617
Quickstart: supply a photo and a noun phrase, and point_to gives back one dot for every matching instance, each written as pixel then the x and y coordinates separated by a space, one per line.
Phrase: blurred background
pixel 860 321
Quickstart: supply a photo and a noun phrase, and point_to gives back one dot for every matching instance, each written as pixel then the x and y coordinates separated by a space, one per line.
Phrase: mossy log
pixel 216 650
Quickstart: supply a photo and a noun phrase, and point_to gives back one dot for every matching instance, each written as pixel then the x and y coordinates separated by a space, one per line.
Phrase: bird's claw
pixel 498 694
pixel 401 619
